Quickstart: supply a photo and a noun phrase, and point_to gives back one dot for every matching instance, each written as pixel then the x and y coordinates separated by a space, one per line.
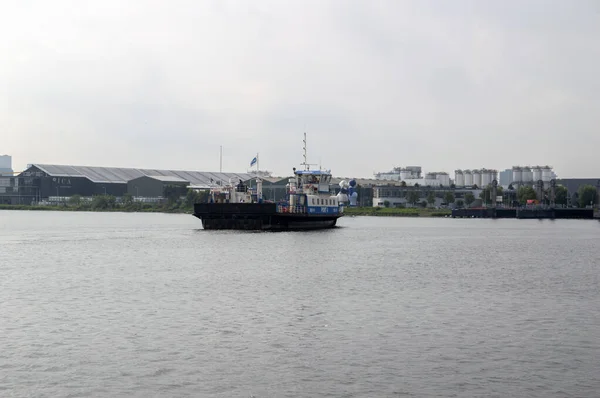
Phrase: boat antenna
pixel 306 165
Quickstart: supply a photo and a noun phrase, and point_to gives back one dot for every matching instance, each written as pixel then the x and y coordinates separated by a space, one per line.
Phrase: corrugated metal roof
pixel 123 175
pixel 168 179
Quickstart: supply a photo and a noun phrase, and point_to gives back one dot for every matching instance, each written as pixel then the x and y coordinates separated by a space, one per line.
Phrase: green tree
pixel 191 198
pixel 99 202
pixel 431 198
pixel 449 197
pixel 75 200
pixel 403 184
pixel 526 193
pixel 560 195
pixel 460 203
pixel 413 197
pixel 111 201
pixel 386 203
pixel 587 195
pixel 127 199
pixel 469 198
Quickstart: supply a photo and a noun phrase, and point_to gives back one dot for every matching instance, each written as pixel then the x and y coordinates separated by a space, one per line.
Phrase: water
pixel 150 305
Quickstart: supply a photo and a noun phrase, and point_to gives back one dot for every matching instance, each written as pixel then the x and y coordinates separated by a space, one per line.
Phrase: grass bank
pixel 147 208
pixel 126 209
pixel 395 212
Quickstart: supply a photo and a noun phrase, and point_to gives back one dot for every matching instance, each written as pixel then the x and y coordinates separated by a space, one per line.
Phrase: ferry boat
pixel 309 204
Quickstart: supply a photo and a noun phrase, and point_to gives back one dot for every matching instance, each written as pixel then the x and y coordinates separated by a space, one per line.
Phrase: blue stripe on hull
pixel 322 210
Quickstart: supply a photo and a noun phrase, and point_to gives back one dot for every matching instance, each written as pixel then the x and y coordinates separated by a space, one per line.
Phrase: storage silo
pixel 517 174
pixel 404 174
pixel 443 178
pixel 546 173
pixel 494 175
pixel 476 177
pixel 537 173
pixel 486 178
pixel 527 174
pixel 459 178
pixel 468 178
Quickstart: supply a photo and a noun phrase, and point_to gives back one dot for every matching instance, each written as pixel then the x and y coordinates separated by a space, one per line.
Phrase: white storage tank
pixel 476 177
pixel 468 178
pixel 527 174
pixel 404 174
pixel 537 173
pixel 443 178
pixel 486 178
pixel 517 174
pixel 459 178
pixel 494 175
pixel 546 174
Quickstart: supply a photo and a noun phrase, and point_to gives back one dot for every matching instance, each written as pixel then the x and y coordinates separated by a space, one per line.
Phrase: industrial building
pixel 412 176
pixel 6 166
pixel 41 182
pixel 400 174
pixel 475 178
pixel 398 195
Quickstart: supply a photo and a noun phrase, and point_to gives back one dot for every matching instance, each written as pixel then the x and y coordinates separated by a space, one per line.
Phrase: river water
pixel 151 305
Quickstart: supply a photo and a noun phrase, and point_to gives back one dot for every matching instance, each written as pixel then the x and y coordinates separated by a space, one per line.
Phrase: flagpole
pixel 257 164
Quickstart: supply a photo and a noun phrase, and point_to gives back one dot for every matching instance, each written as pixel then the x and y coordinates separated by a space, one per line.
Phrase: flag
pixel 253 161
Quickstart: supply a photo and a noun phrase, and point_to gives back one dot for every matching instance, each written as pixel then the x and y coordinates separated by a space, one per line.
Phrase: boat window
pixel 313 201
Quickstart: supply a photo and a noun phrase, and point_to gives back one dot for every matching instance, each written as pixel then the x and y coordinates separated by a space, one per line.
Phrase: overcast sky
pixel 376 84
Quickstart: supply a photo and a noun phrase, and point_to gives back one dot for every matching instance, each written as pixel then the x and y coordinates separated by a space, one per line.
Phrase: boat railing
pixel 291 209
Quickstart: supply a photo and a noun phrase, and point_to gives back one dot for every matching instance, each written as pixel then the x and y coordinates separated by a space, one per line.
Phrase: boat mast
pixel 306 165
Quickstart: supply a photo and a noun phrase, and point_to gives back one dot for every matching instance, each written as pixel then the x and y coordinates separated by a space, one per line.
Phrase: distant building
pixel 6 165
pixel 573 184
pixel 399 196
pixel 400 173
pixel 475 177
pixel 506 177
pixel 55 182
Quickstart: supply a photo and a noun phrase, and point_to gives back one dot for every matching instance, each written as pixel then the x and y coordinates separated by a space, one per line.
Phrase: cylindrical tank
pixel 546 174
pixel 517 174
pixel 527 174
pixel 404 174
pixel 459 178
pixel 494 175
pixel 486 178
pixel 476 177
pixel 537 173
pixel 468 178
pixel 443 178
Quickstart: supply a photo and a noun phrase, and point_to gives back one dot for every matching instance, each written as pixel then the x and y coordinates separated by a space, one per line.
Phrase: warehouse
pixel 53 182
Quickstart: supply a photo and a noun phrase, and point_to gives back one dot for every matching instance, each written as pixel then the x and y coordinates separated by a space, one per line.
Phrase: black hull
pixel 258 217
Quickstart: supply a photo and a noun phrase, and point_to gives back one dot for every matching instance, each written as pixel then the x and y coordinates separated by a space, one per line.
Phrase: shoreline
pixel 348 211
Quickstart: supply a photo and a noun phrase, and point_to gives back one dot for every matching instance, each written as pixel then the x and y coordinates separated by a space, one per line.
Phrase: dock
pixel 527 213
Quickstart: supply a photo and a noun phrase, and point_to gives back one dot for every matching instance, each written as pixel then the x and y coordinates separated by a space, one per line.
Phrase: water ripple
pixel 142 305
